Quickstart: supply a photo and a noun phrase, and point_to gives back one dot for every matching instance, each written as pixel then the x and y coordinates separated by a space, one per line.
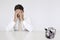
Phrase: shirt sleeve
pixel 27 24
pixel 10 26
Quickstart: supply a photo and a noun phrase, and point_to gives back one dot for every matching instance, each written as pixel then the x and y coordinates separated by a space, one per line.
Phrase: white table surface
pixel 26 36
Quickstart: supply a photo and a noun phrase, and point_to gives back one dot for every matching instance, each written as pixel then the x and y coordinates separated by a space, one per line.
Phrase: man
pixel 19 23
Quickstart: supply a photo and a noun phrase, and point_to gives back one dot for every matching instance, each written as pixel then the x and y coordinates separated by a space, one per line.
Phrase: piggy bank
pixel 50 32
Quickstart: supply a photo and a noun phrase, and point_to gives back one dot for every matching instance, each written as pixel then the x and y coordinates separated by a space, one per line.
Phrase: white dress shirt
pixel 25 25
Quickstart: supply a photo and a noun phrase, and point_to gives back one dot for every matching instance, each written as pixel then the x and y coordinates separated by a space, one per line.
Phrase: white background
pixel 43 13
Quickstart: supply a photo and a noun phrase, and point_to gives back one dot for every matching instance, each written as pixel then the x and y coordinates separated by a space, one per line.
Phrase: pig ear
pixel 45 29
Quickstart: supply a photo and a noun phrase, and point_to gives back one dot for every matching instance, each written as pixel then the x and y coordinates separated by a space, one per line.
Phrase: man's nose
pixel 18 15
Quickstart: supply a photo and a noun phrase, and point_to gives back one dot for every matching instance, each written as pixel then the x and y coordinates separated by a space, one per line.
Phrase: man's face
pixel 19 13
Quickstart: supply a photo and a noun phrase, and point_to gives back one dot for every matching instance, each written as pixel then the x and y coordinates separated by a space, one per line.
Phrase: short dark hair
pixel 19 6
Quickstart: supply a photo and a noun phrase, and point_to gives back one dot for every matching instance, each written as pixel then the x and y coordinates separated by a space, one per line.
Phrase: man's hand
pixel 18 16
pixel 15 17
